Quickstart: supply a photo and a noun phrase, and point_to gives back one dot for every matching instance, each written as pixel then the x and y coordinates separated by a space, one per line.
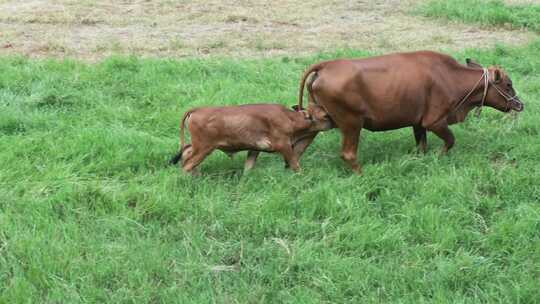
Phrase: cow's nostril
pixel 518 106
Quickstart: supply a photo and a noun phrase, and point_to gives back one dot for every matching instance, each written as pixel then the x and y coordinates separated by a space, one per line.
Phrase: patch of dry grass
pixel 94 29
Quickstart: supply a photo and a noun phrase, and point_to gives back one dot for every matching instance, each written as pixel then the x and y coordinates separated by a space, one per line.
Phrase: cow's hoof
pixel 443 152
pixel 193 173
pixel 420 151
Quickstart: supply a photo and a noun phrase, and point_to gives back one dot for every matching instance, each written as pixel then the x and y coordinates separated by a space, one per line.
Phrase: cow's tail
pixel 312 69
pixel 178 156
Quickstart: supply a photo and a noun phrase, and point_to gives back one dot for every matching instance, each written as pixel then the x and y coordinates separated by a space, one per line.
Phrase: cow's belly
pixel 390 122
pixel 385 126
pixel 388 111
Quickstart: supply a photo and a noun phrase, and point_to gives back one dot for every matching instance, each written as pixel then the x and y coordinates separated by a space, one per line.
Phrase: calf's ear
pixel 472 64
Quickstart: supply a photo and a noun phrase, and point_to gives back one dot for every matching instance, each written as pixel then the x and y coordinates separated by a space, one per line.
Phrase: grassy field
pixel 91 213
pixel 487 13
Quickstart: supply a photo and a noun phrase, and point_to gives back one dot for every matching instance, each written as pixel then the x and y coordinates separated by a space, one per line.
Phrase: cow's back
pixel 389 91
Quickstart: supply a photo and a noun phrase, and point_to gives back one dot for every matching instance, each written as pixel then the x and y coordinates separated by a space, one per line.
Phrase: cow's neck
pixel 465 80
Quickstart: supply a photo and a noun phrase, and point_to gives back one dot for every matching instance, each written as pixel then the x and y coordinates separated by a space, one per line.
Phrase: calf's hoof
pixel 295 168
pixel 357 171
pixel 192 173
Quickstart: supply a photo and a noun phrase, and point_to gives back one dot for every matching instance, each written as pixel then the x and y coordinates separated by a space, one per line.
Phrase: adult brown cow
pixel 425 90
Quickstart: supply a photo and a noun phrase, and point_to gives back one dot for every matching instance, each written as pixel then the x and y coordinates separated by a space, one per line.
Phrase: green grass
pixel 90 212
pixel 484 12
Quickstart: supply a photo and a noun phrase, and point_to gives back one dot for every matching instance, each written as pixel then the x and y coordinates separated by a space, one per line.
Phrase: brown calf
pixel 254 127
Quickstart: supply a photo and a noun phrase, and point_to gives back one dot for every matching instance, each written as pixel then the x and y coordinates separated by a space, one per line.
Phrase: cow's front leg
pixel 420 135
pixel 444 133
pixel 250 160
pixel 349 147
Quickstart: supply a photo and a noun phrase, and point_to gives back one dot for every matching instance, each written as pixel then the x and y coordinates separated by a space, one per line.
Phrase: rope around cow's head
pixel 487 82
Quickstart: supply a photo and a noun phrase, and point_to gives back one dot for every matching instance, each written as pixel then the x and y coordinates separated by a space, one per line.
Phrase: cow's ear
pixel 472 64
pixel 296 108
pixel 497 75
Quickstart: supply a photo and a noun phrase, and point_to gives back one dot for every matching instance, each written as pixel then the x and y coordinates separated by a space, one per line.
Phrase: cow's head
pixel 501 94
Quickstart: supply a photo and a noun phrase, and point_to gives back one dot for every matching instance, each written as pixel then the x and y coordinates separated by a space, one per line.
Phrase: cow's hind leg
pixel 195 157
pixel 349 147
pixel 444 133
pixel 420 135
pixel 250 160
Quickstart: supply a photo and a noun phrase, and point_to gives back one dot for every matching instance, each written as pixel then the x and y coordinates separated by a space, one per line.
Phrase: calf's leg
pixel 250 160
pixel 193 159
pixel 300 146
pixel 420 135
pixel 291 159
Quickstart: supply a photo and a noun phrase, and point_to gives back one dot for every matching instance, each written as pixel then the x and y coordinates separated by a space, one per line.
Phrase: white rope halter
pixel 485 77
pixel 487 82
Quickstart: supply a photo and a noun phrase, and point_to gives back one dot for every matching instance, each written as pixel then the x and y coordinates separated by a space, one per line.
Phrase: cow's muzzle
pixel 516 104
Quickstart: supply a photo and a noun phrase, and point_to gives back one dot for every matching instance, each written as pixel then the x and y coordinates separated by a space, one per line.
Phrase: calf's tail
pixel 314 68
pixel 178 156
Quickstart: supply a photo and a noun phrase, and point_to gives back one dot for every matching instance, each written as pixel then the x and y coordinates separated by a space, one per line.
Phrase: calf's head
pixel 320 120
pixel 501 94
